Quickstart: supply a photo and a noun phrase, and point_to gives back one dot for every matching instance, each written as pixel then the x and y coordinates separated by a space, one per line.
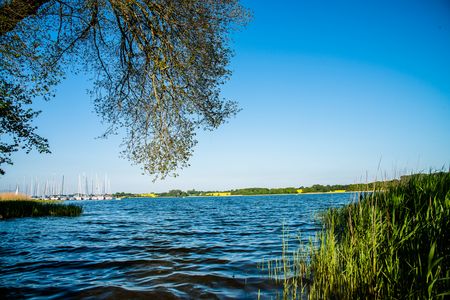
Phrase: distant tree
pixel 193 192
pixel 157 64
pixel 174 193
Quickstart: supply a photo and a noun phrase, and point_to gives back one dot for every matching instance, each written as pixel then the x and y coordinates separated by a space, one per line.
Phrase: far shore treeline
pixel 317 188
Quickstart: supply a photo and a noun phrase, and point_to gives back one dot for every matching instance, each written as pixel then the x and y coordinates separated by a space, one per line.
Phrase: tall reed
pixel 16 208
pixel 393 243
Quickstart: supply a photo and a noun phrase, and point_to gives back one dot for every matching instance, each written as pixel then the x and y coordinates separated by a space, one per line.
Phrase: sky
pixel 332 92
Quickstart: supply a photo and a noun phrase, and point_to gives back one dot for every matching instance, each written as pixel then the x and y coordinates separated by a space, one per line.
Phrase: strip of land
pixel 258 191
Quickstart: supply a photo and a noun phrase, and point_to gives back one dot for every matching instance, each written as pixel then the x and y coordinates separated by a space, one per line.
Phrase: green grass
pixel 393 243
pixel 37 208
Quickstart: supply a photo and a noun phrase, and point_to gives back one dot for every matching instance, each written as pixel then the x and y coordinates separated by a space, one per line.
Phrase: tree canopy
pixel 157 66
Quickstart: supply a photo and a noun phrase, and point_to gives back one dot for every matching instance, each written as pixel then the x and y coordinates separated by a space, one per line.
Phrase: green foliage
pixel 264 191
pixel 394 243
pixel 174 193
pixel 124 195
pixel 318 188
pixel 37 208
pixel 171 193
pixel 193 192
pixel 158 66
pixel 16 130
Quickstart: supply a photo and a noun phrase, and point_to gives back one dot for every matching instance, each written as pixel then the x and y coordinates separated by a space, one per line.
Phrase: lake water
pixel 167 248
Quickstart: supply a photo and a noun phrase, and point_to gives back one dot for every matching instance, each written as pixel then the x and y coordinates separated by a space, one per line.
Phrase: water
pixel 189 248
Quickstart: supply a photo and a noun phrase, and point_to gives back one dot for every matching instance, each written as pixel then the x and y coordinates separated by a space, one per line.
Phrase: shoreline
pixel 256 195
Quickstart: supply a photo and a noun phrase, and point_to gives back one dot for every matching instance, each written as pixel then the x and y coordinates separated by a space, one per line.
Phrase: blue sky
pixel 330 91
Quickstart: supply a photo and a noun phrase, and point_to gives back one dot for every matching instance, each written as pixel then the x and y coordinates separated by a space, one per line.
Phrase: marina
pixel 87 188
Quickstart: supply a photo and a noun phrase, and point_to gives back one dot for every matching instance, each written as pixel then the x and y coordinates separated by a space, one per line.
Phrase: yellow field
pixel 219 194
pixel 13 196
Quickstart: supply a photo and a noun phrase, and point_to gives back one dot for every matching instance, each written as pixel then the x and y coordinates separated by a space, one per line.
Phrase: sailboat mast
pixel 86 186
pixel 62 186
pixel 79 185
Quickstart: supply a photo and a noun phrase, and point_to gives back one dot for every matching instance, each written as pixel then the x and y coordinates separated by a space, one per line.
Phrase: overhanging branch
pixel 12 12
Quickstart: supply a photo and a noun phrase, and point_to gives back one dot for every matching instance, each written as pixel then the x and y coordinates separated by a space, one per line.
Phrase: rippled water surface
pixel 164 248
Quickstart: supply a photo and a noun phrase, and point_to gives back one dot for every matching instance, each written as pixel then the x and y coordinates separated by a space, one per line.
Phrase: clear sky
pixel 330 91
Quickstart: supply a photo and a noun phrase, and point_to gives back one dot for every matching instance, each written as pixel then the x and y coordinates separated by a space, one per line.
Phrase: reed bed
pixel 25 207
pixel 13 196
pixel 392 243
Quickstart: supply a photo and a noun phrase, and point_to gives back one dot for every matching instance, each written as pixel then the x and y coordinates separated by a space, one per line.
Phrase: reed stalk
pixel 392 243
pixel 25 207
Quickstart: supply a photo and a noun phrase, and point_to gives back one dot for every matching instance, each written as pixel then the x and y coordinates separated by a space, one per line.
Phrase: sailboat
pixel 78 195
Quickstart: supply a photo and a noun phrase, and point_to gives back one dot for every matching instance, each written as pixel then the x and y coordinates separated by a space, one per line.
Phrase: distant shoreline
pixel 258 195
pixel 316 189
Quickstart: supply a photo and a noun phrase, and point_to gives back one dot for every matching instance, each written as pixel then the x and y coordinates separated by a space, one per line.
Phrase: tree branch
pixel 12 12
